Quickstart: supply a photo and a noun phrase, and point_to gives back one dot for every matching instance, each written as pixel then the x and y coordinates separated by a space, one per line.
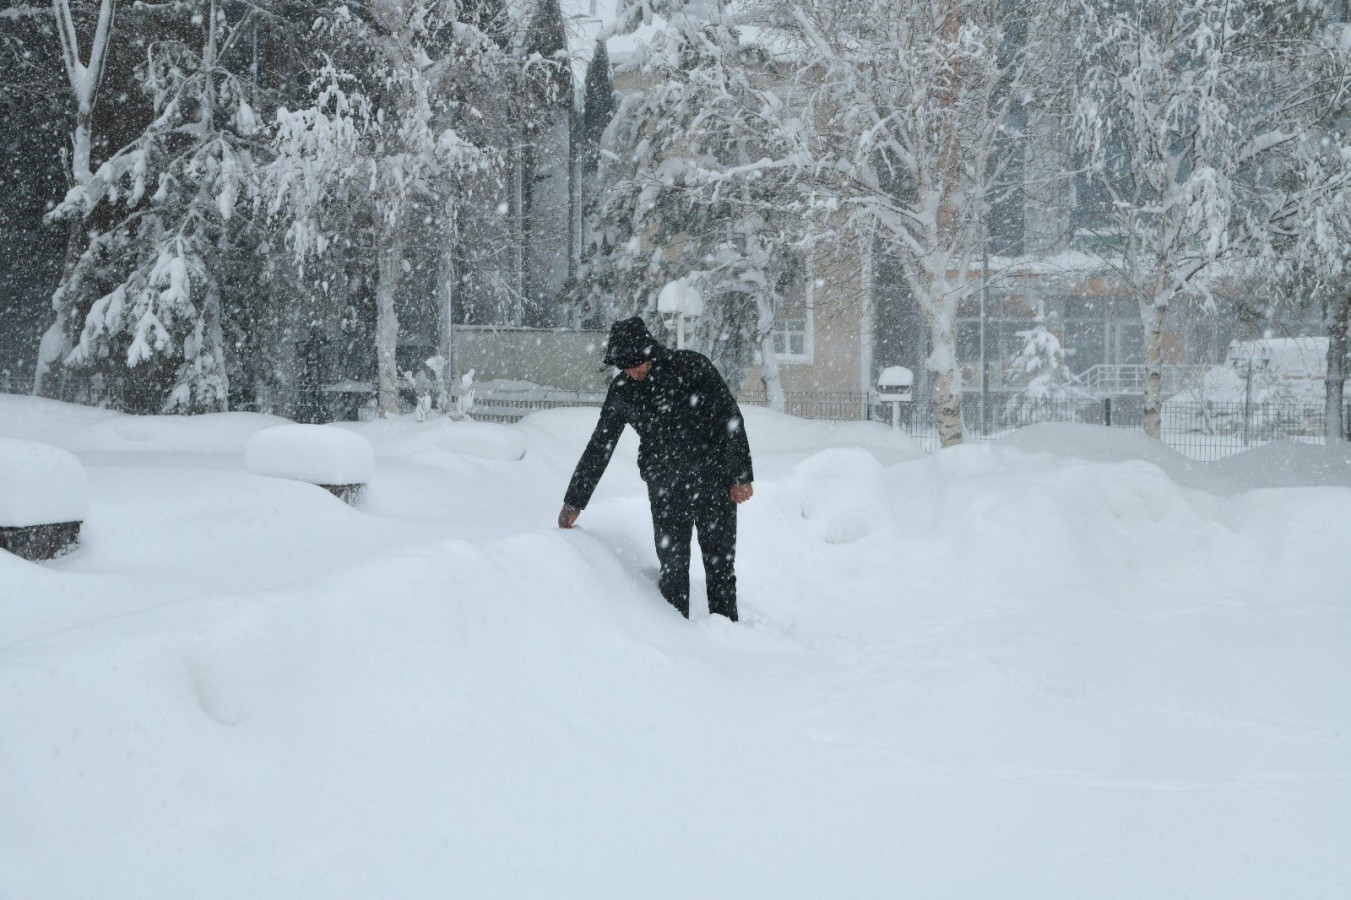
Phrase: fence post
pixel 1107 411
pixel 1247 402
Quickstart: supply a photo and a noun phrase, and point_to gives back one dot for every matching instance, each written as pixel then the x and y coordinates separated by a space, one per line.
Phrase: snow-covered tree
pixel 542 176
pixel 84 74
pixel 1305 247
pixel 703 183
pixel 152 283
pixel 373 159
pixel 1181 108
pixel 1040 367
pixel 598 105
pixel 907 108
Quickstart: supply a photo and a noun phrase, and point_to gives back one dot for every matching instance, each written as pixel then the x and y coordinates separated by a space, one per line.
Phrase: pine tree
pixel 153 283
pixel 1040 368
pixel 543 176
pixel 598 106
pixel 701 186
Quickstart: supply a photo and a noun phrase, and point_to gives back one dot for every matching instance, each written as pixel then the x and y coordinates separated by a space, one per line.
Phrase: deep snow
pixel 1069 664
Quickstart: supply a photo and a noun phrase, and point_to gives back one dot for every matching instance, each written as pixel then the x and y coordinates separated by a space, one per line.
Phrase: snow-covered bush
pixel 1040 368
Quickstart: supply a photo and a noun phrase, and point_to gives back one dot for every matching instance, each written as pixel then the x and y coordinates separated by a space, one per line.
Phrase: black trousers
pixel 678 508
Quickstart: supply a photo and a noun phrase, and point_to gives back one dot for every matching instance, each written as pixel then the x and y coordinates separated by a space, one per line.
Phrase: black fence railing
pixel 1201 430
pixel 838 406
pixel 95 390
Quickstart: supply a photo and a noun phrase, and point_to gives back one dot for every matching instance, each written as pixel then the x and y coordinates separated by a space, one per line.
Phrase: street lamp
pixel 680 300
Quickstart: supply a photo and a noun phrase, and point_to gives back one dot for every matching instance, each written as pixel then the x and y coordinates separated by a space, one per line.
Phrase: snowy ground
pixel 1067 664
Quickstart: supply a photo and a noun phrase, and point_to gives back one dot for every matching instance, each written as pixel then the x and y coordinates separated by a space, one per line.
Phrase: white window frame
pixel 808 330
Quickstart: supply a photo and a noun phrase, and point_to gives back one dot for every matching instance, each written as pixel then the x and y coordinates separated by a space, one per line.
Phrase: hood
pixel 630 344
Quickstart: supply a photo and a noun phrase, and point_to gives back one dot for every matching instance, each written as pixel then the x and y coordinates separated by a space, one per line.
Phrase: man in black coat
pixel 692 452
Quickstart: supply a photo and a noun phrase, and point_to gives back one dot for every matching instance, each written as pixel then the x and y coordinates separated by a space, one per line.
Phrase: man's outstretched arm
pixel 592 465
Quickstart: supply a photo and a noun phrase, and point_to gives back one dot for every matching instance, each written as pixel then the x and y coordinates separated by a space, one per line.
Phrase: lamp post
pixel 679 300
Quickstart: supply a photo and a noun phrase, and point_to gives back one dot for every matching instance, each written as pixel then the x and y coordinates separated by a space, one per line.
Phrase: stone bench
pixel 44 496
pixel 328 456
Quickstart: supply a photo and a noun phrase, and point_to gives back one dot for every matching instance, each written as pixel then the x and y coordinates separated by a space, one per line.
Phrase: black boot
pixel 723 609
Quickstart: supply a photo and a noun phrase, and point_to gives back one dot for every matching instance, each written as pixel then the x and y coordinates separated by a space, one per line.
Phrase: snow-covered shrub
pixel 1047 382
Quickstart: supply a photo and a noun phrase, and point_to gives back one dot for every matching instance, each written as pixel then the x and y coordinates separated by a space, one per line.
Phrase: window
pixel 793 314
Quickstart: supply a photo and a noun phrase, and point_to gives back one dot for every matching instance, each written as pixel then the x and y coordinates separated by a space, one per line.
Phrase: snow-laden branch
pixel 23 11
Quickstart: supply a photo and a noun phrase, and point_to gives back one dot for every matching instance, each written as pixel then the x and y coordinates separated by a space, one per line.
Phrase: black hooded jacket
pixel 689 427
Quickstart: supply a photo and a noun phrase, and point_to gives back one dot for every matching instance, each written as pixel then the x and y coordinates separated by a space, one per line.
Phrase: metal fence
pixel 96 390
pixel 1201 430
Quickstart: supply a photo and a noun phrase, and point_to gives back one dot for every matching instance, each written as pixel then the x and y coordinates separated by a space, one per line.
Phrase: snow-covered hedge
pixel 40 485
pixel 319 454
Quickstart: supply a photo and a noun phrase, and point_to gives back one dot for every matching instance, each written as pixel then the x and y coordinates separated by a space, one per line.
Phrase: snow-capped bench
pixel 338 460
pixel 44 496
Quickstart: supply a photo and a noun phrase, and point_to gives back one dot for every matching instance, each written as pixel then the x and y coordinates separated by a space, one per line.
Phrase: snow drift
pixel 1062 665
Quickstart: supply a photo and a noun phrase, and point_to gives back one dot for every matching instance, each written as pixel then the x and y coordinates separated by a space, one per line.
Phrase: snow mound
pixel 319 454
pixel 85 429
pixel 1287 464
pixel 776 432
pixel 40 485
pixel 405 436
pixel 1098 443
pixel 844 494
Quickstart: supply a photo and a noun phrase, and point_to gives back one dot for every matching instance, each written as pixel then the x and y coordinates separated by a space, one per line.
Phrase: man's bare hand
pixel 568 516
pixel 742 492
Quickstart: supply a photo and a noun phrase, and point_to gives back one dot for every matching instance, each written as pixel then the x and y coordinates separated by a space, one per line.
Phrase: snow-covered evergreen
pixel 704 181
pixel 152 282
pixel 372 152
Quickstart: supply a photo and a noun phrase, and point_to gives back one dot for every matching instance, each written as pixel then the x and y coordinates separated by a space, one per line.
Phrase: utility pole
pixel 984 304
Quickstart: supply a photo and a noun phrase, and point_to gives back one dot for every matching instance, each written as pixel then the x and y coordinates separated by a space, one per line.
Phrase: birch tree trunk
pixel 1334 421
pixel 390 279
pixel 947 381
pixel 84 79
pixel 1153 315
pixel 769 357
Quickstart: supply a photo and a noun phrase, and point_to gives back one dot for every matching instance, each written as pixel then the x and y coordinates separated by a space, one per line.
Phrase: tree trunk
pixel 59 340
pixel 1334 423
pixel 769 357
pixel 516 214
pixel 218 375
pixel 85 80
pixel 387 320
pixel 1153 317
pixel 449 291
pixel 947 384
